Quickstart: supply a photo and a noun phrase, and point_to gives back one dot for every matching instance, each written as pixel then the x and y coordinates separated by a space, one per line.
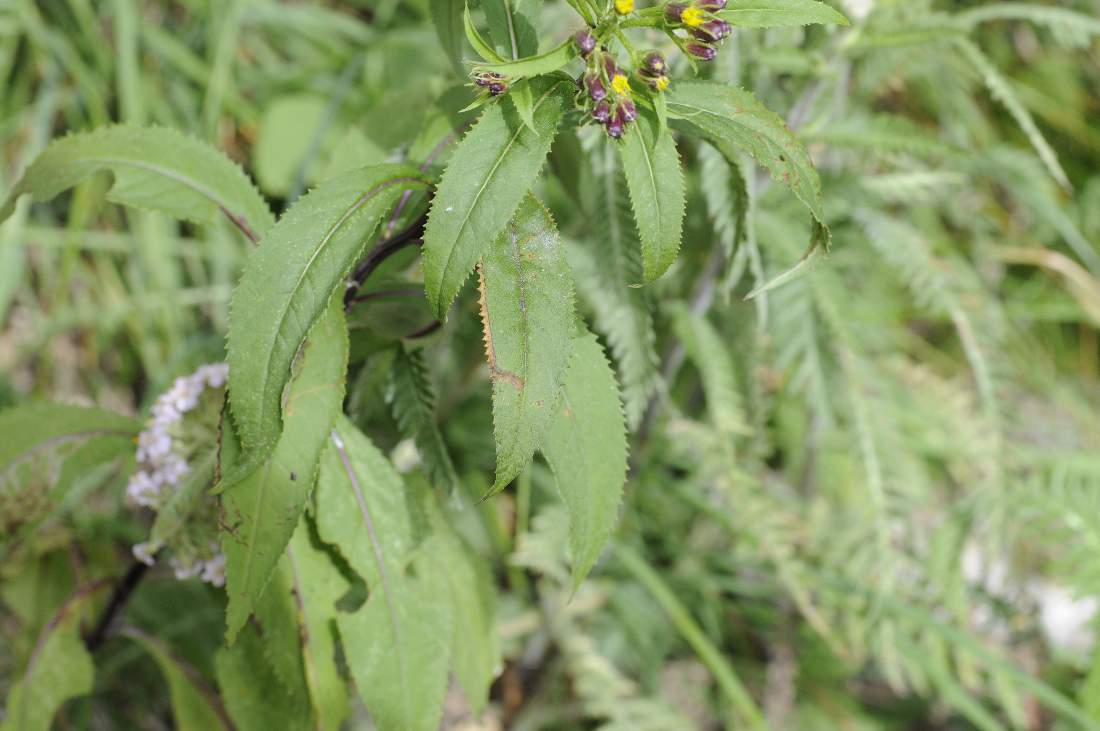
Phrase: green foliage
pixel 666 468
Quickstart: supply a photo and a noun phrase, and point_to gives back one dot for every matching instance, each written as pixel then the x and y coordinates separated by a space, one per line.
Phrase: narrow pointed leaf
pixel 195 706
pixel 261 512
pixel 528 325
pixel 585 446
pixel 778 13
pixel 544 63
pixel 480 45
pixel 154 168
pixel 491 170
pixel 412 398
pixel 656 185
pixel 733 120
pixel 447 18
pixel 513 26
pixel 287 284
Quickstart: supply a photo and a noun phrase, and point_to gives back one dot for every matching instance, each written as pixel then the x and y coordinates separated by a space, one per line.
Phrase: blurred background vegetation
pixel 869 499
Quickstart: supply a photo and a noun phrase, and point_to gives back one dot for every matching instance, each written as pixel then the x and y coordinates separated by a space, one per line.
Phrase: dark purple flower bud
pixel 615 127
pixel 610 67
pixel 497 88
pixel 481 81
pixel 601 112
pixel 654 63
pixel 627 111
pixel 701 51
pixel 595 87
pixel 585 41
pixel 712 30
pixel 675 11
pixel 712 5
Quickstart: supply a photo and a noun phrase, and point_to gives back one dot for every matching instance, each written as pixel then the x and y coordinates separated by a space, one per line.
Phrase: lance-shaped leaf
pixel 585 446
pixel 412 399
pixel 305 589
pixel 527 319
pixel 154 168
pixel 705 348
pixel 260 513
pixel 449 562
pixel 544 63
pixel 491 170
pixel 195 706
pixel 398 649
pixel 397 643
pixel 480 45
pixel 59 668
pixel 656 185
pixel 778 13
pixel 732 119
pixel 287 284
pixel 36 429
pixel 513 25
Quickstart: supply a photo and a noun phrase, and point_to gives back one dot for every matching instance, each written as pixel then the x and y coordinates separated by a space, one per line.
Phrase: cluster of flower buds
pixel 496 84
pixel 605 87
pixel 705 28
pixel 184 420
pixel 653 70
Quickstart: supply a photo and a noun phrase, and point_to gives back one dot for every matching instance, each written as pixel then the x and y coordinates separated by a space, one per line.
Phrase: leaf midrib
pixel 485 183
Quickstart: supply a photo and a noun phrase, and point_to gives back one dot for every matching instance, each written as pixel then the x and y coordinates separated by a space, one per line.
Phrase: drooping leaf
pixel 398 648
pixel 490 172
pixel 260 513
pixel 732 119
pixel 544 63
pixel 528 325
pixel 778 13
pixel 361 508
pixel 585 446
pixel 480 45
pixel 412 398
pixel 155 168
pixel 657 193
pixel 59 668
pixel 34 429
pixel 711 357
pixel 287 284
pixel 447 18
pixel 195 706
pixel 397 644
pixel 448 561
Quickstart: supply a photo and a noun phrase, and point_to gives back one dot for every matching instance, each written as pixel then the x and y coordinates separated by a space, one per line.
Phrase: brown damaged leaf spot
pixel 487 336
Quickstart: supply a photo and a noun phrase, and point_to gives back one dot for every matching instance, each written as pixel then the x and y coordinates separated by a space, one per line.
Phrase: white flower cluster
pixel 161 468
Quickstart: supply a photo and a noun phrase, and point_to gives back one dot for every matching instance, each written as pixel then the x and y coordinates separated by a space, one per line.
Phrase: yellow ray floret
pixel 661 83
pixel 624 6
pixel 693 17
pixel 620 84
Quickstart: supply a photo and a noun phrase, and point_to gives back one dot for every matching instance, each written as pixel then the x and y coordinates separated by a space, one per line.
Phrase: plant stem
pixel 118 600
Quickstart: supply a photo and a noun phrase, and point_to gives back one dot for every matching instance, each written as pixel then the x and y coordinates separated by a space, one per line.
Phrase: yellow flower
pixel 624 6
pixel 661 83
pixel 693 17
pixel 620 84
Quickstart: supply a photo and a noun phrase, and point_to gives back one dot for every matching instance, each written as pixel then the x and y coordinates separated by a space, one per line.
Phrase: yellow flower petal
pixel 662 83
pixel 620 84
pixel 624 6
pixel 693 17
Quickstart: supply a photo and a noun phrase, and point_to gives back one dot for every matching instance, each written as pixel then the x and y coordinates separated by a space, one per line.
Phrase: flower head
pixel 620 84
pixel 623 7
pixel 693 17
pixel 586 42
pixel 701 51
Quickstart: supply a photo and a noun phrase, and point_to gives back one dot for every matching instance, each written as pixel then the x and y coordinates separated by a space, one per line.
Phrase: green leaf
pixel 413 401
pixel 59 668
pixel 513 26
pixel 361 508
pixel 705 348
pixel 259 514
pixel 308 575
pixel 156 169
pixel 732 119
pixel 656 185
pixel 398 647
pixel 35 429
pixel 491 170
pixel 778 13
pixel 287 284
pixel 447 18
pixel 173 516
pixel 544 63
pixel 528 325
pixel 475 642
pixel 397 644
pixel 481 46
pixel 195 706
pixel 585 446
pixel 520 97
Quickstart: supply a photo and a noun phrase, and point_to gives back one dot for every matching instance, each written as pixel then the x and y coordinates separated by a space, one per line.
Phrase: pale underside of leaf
pixel 777 13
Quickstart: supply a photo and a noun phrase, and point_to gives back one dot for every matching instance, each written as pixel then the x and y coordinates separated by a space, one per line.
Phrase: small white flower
pixel 144 552
pixel 213 570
